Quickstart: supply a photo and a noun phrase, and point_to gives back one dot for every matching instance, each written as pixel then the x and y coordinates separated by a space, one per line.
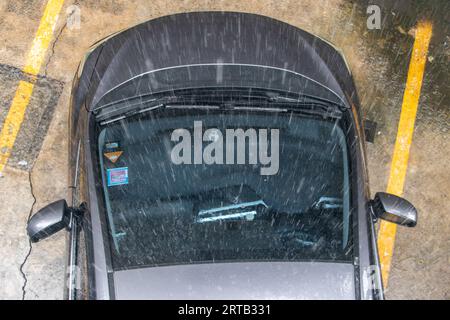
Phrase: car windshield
pixel 194 185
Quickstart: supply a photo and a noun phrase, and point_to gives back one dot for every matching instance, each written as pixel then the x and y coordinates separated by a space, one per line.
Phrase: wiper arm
pixel 130 107
pixel 125 109
pixel 131 113
pixel 301 98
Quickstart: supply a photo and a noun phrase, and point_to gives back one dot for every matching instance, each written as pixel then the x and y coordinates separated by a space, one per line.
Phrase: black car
pixel 144 226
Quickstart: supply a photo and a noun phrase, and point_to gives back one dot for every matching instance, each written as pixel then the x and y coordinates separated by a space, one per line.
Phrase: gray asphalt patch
pixel 38 115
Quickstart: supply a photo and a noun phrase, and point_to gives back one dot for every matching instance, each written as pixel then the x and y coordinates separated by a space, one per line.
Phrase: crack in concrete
pixel 54 45
pixel 22 265
pixel 57 38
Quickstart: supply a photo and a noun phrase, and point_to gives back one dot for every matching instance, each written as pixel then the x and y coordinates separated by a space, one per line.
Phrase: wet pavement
pixel 378 59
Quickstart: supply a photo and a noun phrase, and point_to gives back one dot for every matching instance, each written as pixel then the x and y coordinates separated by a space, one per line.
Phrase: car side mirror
pixel 394 209
pixel 49 220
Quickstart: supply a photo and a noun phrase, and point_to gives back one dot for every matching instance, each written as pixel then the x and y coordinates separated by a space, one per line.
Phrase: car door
pixel 76 268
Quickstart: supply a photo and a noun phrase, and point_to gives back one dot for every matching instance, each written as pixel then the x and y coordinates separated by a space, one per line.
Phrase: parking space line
pixel 33 64
pixel 399 164
pixel 43 37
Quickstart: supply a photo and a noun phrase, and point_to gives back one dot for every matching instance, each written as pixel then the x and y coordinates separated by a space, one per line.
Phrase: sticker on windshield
pixel 113 156
pixel 117 176
pixel 112 145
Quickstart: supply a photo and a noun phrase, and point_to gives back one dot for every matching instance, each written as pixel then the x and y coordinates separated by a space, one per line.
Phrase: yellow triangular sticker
pixel 113 156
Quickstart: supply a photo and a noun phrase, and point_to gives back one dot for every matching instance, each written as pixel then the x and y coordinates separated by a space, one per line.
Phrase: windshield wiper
pixel 131 113
pixel 254 100
pixel 130 107
pixel 300 98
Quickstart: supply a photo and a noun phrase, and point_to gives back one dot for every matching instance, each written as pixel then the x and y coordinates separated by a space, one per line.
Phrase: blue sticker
pixel 117 176
pixel 111 145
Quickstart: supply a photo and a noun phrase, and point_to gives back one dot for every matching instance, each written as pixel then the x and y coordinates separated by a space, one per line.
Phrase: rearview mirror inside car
pixel 394 209
pixel 48 221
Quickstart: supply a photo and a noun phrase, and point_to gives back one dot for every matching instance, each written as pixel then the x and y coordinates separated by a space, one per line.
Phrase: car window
pixel 164 212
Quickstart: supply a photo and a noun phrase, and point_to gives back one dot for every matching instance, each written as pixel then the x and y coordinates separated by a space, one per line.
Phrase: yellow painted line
pixel 386 235
pixel 43 37
pixel 33 64
pixel 13 120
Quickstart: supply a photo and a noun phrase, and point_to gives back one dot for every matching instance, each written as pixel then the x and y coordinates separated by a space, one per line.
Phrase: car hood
pixel 252 280
pixel 211 37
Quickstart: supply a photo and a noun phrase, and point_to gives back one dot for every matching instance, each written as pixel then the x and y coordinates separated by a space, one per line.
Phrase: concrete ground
pixel 36 173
